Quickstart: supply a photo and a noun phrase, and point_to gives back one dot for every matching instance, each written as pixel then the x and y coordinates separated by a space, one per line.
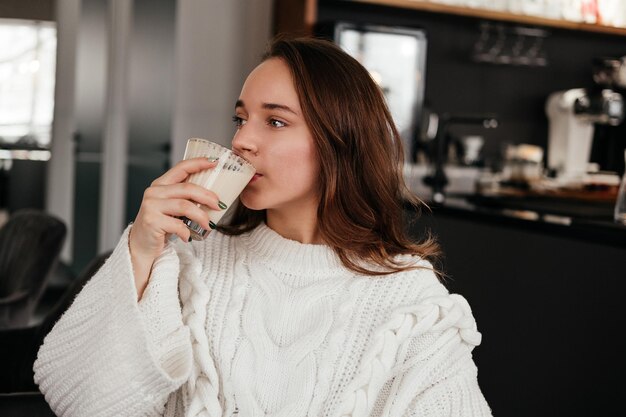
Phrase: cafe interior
pixel 512 120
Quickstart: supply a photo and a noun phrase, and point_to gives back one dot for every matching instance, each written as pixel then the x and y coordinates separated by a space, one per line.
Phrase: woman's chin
pixel 251 203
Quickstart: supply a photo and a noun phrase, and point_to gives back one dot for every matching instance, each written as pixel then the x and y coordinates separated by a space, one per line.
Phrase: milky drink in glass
pixel 227 180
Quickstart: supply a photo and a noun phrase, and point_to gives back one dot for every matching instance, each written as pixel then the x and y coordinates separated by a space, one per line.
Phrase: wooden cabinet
pixel 295 17
pixel 299 16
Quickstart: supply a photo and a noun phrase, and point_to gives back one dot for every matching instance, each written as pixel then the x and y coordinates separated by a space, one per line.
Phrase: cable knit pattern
pixel 335 343
pixel 257 326
pixel 203 383
pixel 436 313
pixel 231 335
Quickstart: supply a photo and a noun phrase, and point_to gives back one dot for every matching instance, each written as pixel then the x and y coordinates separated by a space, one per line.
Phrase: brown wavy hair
pixel 361 187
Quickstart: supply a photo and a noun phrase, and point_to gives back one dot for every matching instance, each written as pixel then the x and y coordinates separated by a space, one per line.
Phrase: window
pixel 396 60
pixel 27 69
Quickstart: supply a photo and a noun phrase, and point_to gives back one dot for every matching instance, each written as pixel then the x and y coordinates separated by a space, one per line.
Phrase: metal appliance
pixel 437 130
pixel 573 113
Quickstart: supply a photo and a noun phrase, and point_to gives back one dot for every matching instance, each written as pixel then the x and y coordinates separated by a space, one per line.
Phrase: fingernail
pixel 212 225
pixel 189 240
pixel 221 205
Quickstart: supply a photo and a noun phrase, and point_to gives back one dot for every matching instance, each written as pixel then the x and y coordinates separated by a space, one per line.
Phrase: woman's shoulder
pixel 424 301
pixel 418 276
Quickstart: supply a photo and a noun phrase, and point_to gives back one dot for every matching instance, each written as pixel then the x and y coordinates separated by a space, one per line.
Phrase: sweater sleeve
pixel 437 376
pixel 110 355
pixel 419 362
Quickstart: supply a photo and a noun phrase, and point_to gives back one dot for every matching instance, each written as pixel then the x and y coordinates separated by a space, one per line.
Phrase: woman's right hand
pixel 167 198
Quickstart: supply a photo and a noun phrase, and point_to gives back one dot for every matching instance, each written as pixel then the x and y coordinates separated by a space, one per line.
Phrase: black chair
pixel 30 243
pixel 24 404
pixel 19 346
pixel 14 308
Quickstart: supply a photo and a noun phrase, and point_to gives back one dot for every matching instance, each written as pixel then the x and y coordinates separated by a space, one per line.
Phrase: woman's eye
pixel 239 121
pixel 276 123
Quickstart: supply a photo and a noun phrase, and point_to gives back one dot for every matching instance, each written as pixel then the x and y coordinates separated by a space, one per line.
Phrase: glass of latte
pixel 227 179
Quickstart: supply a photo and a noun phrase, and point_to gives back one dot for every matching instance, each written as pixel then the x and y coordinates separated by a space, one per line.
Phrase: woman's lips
pixel 255 177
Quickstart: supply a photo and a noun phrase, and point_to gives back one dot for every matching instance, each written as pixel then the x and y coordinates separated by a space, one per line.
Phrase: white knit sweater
pixel 258 325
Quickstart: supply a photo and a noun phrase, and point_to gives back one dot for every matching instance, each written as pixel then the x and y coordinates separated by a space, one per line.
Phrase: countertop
pixel 578 221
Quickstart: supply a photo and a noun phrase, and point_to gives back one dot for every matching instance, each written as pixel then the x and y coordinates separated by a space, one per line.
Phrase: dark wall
pixel 25 187
pixel 454 83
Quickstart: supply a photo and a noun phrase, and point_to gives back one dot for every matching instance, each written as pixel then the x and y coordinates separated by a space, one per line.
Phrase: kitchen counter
pixel 547 292
pixel 587 222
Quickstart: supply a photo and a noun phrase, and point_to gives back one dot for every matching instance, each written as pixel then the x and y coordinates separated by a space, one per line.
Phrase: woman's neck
pixel 298 225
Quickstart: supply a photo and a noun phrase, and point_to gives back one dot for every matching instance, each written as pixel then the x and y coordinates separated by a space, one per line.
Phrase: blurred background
pixel 144 75
pixel 98 97
pixel 134 73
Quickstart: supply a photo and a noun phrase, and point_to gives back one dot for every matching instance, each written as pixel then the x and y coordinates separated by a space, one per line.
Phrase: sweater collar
pixel 291 256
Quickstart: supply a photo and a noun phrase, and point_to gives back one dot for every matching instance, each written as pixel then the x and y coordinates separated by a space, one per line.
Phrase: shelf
pixel 496 15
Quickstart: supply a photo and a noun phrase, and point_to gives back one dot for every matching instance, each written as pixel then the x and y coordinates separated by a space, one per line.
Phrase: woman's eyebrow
pixel 268 106
pixel 274 106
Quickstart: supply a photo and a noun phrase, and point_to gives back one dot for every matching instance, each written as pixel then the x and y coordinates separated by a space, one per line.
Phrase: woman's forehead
pixel 270 82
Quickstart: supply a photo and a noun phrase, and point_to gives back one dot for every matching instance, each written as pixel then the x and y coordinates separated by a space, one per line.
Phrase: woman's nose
pixel 245 141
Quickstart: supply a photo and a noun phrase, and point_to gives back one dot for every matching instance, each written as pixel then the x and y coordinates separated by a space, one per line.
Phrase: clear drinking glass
pixel 228 179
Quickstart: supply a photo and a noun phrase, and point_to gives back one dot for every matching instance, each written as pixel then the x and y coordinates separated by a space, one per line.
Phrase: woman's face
pixel 273 136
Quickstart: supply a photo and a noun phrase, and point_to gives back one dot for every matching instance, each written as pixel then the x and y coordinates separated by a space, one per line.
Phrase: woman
pixel 311 302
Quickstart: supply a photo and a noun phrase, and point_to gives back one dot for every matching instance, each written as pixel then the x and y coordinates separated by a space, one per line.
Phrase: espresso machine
pixel 573 113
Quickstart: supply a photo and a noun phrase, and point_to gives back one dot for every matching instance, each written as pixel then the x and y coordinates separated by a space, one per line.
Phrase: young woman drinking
pixel 311 301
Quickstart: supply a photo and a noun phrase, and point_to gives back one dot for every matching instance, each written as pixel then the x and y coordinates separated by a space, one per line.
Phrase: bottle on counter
pixel 620 203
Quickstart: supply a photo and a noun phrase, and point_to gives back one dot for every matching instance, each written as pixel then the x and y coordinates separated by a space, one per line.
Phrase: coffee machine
pixel 573 113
